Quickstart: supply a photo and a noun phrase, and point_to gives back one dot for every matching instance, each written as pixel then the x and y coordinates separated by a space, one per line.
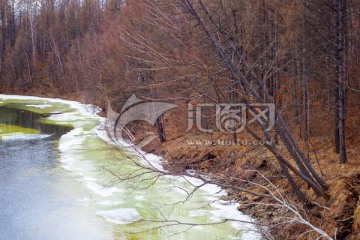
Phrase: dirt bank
pixel 241 164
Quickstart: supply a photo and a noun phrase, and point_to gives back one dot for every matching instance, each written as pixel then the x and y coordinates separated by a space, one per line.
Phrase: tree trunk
pixel 341 76
pixel 3 33
pixel 307 173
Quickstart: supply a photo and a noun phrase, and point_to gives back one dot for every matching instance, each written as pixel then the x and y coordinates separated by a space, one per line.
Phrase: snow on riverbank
pixel 211 193
pixel 79 116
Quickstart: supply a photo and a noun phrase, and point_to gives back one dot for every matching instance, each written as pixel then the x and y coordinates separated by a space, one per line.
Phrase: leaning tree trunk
pixel 304 170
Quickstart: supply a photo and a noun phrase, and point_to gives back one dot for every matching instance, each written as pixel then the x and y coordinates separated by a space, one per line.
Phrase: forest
pixel 302 56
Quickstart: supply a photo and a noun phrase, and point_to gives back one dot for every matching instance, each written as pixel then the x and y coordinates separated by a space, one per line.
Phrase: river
pixel 61 180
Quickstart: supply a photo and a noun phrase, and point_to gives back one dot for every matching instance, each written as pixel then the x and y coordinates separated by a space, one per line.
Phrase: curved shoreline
pixel 225 209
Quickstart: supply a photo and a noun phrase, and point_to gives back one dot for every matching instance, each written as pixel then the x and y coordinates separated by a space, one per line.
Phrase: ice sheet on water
pixel 211 192
pixel 220 209
pixel 84 109
pixel 148 159
pixel 71 139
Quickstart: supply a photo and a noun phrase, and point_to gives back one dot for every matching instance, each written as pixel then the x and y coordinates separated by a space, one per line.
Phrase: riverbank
pixel 248 165
pixel 78 157
pixel 339 213
pixel 239 164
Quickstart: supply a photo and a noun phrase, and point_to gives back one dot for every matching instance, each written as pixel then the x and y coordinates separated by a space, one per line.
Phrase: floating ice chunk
pixel 121 216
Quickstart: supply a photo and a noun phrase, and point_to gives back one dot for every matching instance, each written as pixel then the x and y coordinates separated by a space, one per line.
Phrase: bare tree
pixel 340 45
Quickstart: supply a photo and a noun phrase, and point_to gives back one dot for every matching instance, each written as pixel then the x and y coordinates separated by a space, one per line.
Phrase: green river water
pixel 61 179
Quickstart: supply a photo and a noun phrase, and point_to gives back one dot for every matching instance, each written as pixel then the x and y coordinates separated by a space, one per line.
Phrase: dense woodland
pixel 302 55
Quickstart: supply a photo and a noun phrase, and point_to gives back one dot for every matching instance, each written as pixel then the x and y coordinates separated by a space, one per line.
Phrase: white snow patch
pixel 39 106
pixel 121 216
pixel 110 203
pixel 85 110
pixel 139 198
pixel 101 190
pixel 71 139
pixel 227 210
pixel 148 159
pixel 23 136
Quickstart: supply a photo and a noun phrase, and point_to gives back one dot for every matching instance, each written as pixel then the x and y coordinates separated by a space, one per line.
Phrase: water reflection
pixel 10 116
pixel 38 199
